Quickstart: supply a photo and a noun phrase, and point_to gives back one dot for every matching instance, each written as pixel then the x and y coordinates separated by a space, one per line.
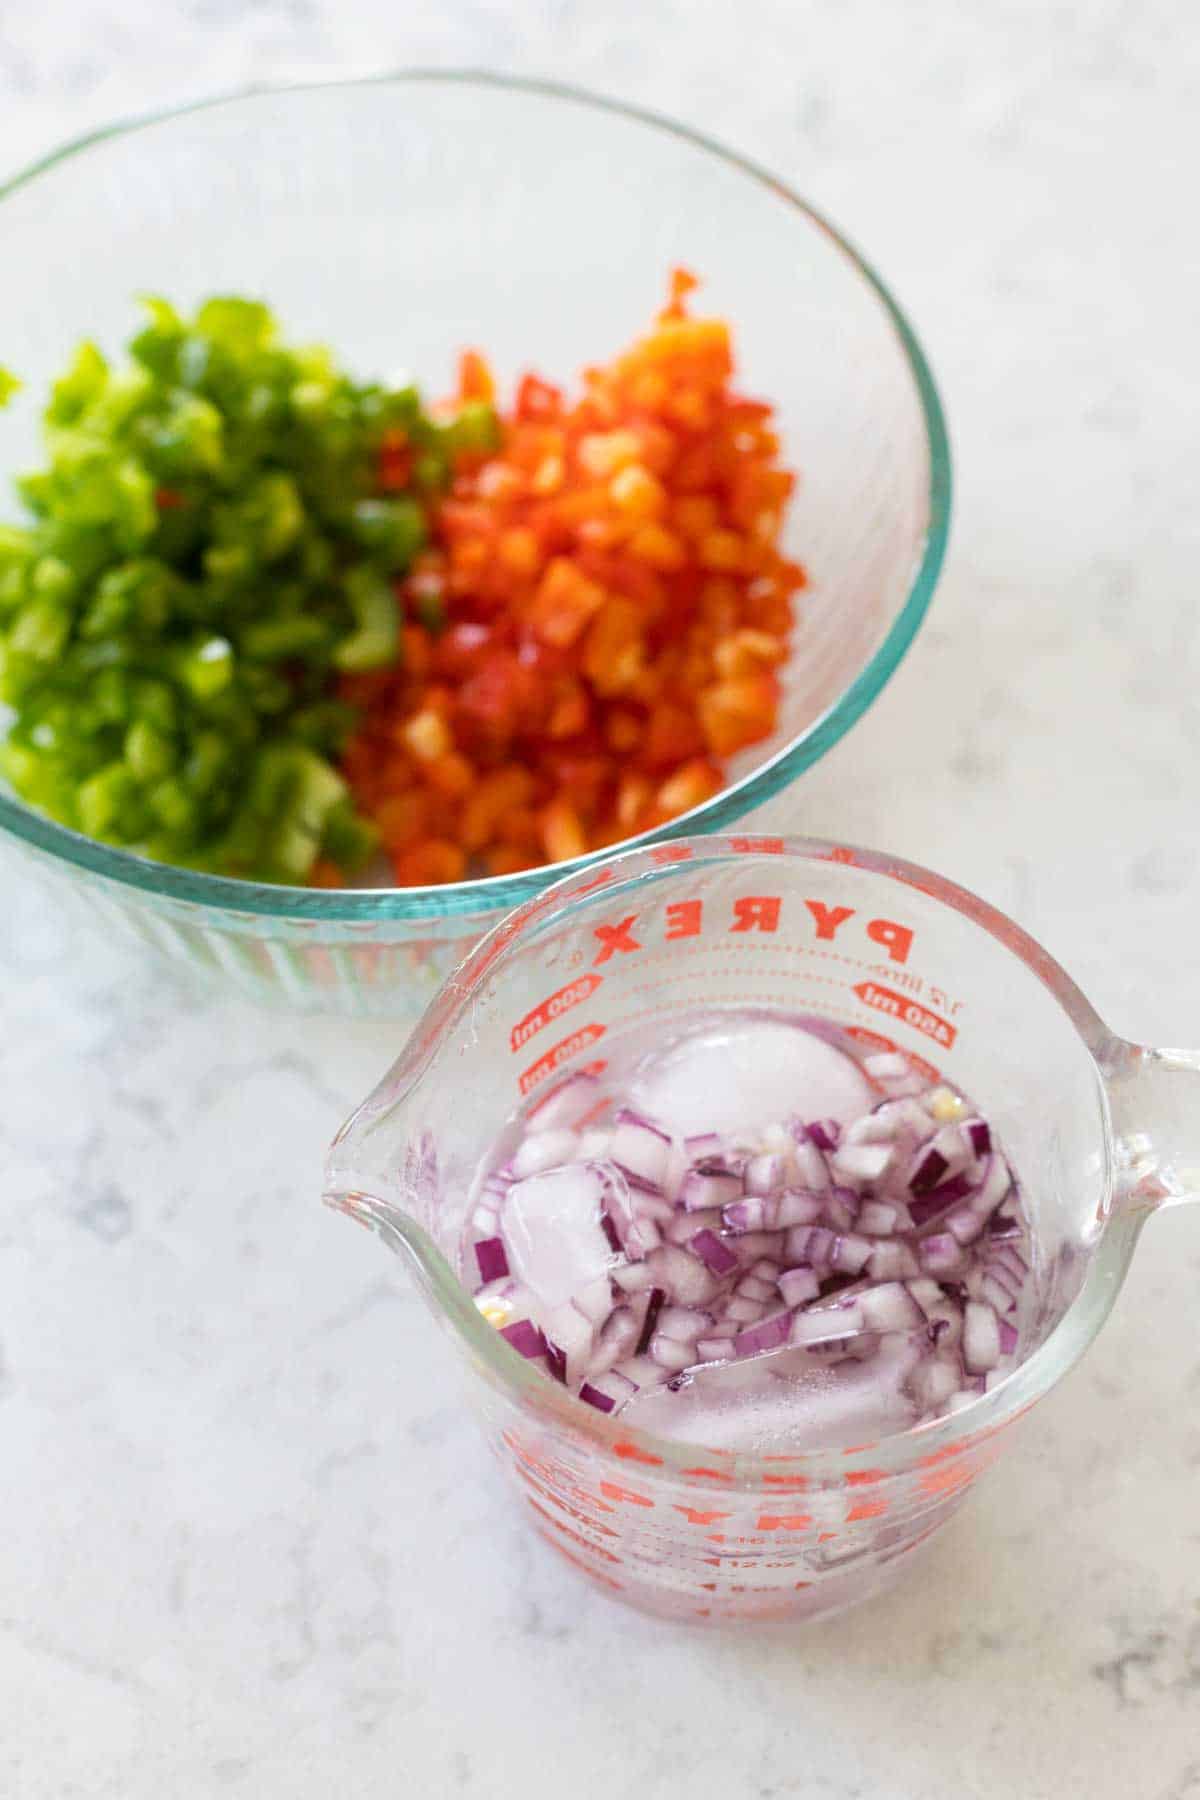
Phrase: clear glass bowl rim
pixel 487 895
pixel 529 1389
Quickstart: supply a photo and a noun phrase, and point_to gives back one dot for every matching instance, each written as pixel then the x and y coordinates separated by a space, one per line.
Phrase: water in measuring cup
pixel 750 1233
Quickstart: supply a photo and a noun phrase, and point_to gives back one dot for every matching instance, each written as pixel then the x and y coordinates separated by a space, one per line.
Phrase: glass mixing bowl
pixel 400 218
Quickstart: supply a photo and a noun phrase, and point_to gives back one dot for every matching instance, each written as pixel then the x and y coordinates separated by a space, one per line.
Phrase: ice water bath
pixel 750 1233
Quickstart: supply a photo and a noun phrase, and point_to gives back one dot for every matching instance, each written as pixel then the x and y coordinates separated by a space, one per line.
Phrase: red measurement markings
pixel 612 938
pixel 908 1012
pixel 684 918
pixel 756 912
pixel 570 1046
pixel 553 1008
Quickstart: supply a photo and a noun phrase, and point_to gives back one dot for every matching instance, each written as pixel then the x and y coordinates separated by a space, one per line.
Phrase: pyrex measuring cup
pixel 1099 1130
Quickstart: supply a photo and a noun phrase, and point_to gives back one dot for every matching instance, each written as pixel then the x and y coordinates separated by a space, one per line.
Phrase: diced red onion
pixel 889 1307
pixel 637 1234
pixel 617 1340
pixel 992 1289
pixel 809 1243
pixel 964 1224
pixel 639 1146
pixel 750 1245
pixel 668 1353
pixel 851 1253
pixel 931 1165
pixel 705 1187
pixel 862 1162
pixel 812 1171
pixel 940 1253
pixel 492 1259
pixel 979 1132
pixel 525 1338
pixel 595 1300
pixel 745 1215
pixel 751 1288
pixel 744 1310
pixel 926 1292
pixel 889 1261
pixel 1006 1256
pixel 651 1205
pixel 824 1133
pixel 795 1206
pixel 595 1396
pixel 933 1381
pixel 575 1337
pixel 841 1208
pixel 703 1144
pixel 889 1239
pixel 619 1386
pixel 994 1187
pixel 798 1286
pixel 766 1334
pixel 981 1337
pixel 876 1218
pixel 685 1277
pixel 683 1323
pixel 685 1225
pixel 714 1252
pixel 872 1128
pixel 650 1320
pixel 765 1174
pixel 826 1325
pixel 925 1208
pixel 639 1371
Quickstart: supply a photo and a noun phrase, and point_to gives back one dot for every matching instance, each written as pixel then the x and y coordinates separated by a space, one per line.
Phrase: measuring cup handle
pixel 1154 1096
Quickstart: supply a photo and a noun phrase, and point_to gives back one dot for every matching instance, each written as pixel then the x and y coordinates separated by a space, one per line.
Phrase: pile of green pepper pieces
pixel 208 548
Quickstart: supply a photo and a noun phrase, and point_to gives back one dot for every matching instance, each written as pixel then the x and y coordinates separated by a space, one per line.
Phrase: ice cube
pixel 738 1078
pixel 556 1243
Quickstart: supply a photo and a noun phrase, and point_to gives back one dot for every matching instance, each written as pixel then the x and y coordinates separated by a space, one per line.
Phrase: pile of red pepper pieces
pixel 597 624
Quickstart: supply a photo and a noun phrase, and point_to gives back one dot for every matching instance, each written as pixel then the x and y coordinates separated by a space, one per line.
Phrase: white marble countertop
pixel 238 1555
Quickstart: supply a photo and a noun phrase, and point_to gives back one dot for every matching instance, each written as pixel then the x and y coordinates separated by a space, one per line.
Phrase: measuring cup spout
pixel 1154 1099
pixel 389 1221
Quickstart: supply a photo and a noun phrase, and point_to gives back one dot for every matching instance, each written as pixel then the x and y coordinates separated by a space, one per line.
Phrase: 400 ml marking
pixel 909 1012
